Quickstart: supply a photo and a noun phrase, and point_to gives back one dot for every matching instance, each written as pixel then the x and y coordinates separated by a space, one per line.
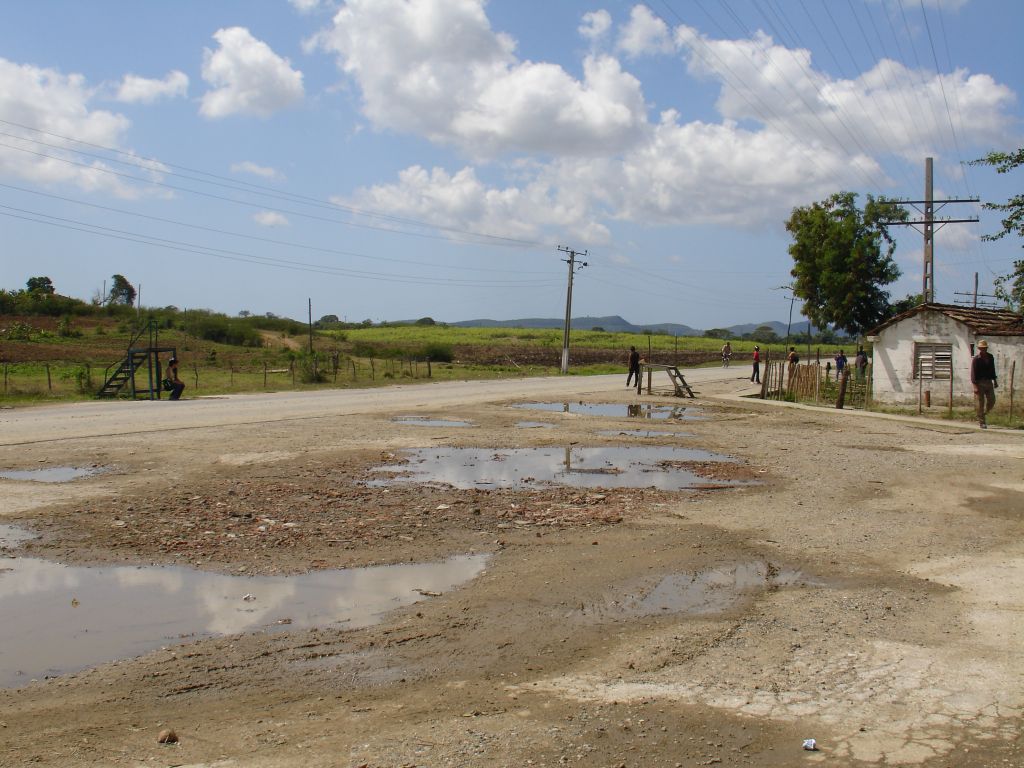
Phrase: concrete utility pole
pixel 928 223
pixel 571 261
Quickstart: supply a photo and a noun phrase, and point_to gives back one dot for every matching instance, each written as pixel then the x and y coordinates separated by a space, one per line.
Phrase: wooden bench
pixel 679 385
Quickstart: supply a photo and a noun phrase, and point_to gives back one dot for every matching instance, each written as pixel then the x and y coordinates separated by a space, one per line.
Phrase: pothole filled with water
pixel 642 433
pixel 11 536
pixel 59 619
pixel 51 474
pixel 664 468
pixel 535 425
pixel 424 421
pixel 711 591
pixel 617 410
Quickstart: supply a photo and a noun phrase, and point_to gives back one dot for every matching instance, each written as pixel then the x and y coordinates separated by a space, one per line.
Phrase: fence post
pixel 353 368
pixel 1013 370
pixel 373 371
pixel 291 367
pixel 264 374
pixel 49 382
pixel 841 397
pixel 195 371
pixel 5 378
pixel 429 370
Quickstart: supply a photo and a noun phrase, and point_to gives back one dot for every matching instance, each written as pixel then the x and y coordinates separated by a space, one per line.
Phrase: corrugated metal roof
pixel 983 322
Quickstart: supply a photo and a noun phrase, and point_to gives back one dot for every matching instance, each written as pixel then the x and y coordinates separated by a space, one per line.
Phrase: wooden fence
pixel 815 383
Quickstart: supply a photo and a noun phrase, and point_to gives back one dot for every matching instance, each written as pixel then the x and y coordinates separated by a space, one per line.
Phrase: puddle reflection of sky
pixel 58 618
pixel 616 467
pixel 619 410
pixel 50 474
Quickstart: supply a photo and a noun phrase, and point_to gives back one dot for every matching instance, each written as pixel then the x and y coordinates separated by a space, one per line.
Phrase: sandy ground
pixel 853 579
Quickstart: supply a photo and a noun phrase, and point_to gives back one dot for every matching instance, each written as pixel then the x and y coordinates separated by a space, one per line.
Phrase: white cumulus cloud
pixel 595 25
pixel 254 169
pixel 645 34
pixel 436 68
pixel 270 219
pixel 46 105
pixel 247 77
pixel 143 90
pixel 462 201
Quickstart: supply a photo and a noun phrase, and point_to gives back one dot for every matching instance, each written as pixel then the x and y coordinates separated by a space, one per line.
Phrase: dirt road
pixel 854 580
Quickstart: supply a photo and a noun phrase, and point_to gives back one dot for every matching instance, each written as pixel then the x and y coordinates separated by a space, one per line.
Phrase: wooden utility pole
pixel 571 261
pixel 310 326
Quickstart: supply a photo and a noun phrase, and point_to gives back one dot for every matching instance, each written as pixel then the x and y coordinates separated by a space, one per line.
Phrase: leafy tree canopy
pixel 842 260
pixel 121 291
pixel 718 333
pixel 40 285
pixel 1009 288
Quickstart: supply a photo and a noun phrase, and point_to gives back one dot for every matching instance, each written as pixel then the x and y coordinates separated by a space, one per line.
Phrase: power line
pixel 240 185
pixel 272 241
pixel 221 253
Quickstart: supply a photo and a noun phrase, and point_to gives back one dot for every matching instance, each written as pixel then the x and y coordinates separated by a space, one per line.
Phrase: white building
pixel 930 346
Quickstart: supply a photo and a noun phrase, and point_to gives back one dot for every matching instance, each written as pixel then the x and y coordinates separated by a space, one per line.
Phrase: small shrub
pixel 437 352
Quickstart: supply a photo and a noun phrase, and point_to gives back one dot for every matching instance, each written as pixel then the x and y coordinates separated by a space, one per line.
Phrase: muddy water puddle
pixel 619 410
pixel 51 474
pixel 535 425
pixel 664 468
pixel 642 433
pixel 59 619
pixel 425 421
pixel 711 591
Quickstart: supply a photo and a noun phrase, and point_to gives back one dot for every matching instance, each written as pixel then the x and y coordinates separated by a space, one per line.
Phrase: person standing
pixel 634 367
pixel 756 375
pixel 983 378
pixel 177 385
pixel 840 364
pixel 726 354
pixel 861 363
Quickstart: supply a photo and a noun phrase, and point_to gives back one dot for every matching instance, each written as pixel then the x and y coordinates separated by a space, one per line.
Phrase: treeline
pixel 39 298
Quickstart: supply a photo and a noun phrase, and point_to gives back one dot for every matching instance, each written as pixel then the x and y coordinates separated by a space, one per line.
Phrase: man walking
pixel 634 367
pixel 756 375
pixel 983 377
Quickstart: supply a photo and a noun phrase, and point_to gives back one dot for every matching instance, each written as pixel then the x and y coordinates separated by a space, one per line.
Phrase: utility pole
pixel 310 300
pixel 571 261
pixel 792 298
pixel 973 297
pixel 928 223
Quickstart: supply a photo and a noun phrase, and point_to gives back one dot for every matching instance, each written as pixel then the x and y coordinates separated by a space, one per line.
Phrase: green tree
pixel 40 286
pixel 121 291
pixel 842 260
pixel 1009 288
pixel 908 302
pixel 765 334
pixel 1014 207
pixel 718 333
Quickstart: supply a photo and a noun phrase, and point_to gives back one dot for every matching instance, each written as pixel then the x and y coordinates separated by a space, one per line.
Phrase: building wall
pixel 893 359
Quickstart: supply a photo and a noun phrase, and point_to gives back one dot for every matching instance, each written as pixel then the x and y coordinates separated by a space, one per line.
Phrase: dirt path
pixel 861 585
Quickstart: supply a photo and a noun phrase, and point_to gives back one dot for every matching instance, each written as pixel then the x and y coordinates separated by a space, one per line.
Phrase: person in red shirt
pixel 756 375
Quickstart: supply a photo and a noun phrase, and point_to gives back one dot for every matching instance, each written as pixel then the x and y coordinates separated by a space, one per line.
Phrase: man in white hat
pixel 983 377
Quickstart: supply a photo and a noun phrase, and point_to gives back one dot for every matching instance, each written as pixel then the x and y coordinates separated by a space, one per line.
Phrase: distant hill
pixel 616 324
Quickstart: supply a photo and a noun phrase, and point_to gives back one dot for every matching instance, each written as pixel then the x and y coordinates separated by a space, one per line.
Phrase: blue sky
pixel 394 159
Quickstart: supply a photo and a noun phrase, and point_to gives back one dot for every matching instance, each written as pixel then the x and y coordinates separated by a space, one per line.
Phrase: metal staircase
pixel 122 379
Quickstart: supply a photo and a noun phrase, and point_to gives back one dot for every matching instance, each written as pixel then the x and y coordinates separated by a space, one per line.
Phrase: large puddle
pixel 50 474
pixel 664 468
pixel 711 591
pixel 425 421
pixel 59 619
pixel 642 433
pixel 618 410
